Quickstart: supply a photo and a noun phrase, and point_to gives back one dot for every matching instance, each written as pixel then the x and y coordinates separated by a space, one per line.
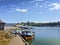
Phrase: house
pixel 2 25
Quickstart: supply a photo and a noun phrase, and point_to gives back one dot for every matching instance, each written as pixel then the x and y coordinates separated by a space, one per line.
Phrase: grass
pixel 3 39
pixel 4 42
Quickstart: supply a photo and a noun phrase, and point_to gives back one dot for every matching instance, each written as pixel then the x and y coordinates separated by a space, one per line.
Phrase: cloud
pixel 39 0
pixel 33 1
pixel 41 6
pixel 55 6
pixel 21 10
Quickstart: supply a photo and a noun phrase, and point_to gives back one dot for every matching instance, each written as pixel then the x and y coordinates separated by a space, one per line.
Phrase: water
pixel 46 36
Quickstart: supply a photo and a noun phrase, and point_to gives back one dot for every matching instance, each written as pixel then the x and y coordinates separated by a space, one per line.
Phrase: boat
pixel 24 27
pixel 27 34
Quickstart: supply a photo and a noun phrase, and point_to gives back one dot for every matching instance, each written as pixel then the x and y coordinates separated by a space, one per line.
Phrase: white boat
pixel 27 34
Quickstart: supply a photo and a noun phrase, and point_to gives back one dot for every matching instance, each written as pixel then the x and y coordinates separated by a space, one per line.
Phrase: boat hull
pixel 27 37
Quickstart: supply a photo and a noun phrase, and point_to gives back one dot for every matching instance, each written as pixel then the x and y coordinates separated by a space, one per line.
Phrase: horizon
pixel 17 11
pixel 34 22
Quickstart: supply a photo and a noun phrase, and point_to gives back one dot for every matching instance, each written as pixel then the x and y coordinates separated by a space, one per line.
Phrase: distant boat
pixel 25 27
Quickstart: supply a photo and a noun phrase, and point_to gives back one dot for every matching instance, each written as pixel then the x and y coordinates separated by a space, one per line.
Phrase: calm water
pixel 46 36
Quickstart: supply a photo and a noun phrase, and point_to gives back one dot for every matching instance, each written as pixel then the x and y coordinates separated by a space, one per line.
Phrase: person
pixel 18 33
pixel 15 33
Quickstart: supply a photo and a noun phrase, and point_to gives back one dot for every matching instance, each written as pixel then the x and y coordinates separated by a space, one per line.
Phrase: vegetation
pixel 4 38
pixel 52 24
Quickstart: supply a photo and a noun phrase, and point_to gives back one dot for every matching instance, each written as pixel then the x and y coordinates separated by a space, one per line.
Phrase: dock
pixel 18 40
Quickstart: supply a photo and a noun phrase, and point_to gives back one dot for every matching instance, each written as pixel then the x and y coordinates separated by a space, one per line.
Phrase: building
pixel 2 25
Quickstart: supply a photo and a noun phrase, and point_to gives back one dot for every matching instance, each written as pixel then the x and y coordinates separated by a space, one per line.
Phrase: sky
pixel 16 11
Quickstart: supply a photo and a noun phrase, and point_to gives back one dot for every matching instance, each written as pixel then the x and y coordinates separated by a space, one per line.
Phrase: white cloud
pixel 33 1
pixel 55 6
pixel 21 10
pixel 39 0
pixel 49 5
pixel 18 9
pixel 41 6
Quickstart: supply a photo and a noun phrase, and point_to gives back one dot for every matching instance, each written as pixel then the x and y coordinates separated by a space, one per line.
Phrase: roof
pixel 1 21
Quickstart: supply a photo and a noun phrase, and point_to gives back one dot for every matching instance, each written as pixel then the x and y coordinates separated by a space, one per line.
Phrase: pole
pixel 21 17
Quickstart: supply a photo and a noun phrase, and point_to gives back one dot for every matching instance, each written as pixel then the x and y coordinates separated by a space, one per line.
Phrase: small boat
pixel 27 34
pixel 24 27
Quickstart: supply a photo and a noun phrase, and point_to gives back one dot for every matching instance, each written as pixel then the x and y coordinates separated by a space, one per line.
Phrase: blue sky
pixel 11 11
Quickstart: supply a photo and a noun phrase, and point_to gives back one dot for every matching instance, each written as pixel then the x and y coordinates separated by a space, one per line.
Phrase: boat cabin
pixel 27 34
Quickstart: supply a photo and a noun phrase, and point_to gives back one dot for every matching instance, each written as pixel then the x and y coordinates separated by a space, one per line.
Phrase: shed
pixel 2 25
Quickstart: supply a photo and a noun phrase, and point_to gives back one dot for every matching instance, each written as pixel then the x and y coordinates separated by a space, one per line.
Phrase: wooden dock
pixel 18 40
